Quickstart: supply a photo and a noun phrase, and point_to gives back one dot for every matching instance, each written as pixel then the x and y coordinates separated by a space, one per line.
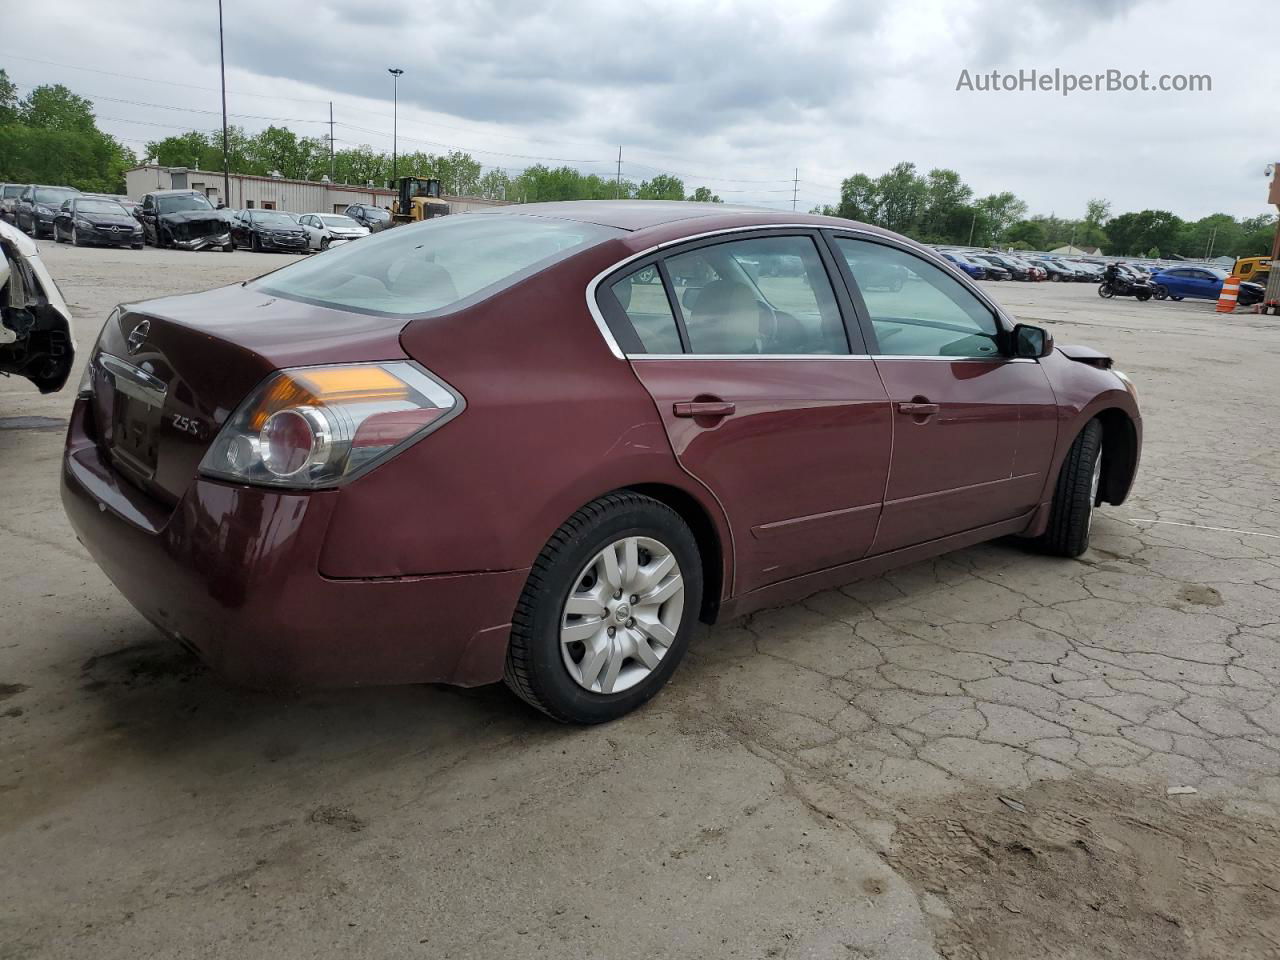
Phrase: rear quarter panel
pixel 553 419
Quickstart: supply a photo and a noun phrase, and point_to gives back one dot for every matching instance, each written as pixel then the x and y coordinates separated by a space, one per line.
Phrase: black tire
pixel 75 238
pixel 1143 296
pixel 1105 291
pixel 254 243
pixel 1176 299
pixel 137 246
pixel 1162 292
pixel 57 235
pixel 535 669
pixel 229 247
pixel 1071 516
pixel 324 244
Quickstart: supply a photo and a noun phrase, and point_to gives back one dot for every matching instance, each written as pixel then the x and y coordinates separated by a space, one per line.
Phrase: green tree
pixel 662 187
pixel 858 199
pixel 704 195
pixel 1132 233
pixel 901 194
pixel 8 99
pixel 1000 211
pixel 947 198
pixel 54 107
pixel 1026 235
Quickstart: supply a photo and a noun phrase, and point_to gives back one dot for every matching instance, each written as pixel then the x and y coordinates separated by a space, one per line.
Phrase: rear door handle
pixel 703 408
pixel 917 409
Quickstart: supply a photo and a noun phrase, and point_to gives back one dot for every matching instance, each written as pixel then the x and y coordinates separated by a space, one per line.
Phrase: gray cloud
pixel 744 90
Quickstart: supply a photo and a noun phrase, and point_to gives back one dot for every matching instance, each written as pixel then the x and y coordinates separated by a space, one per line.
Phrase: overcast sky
pixel 734 95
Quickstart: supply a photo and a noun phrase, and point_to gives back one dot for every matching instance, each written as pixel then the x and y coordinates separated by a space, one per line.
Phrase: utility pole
pixel 222 67
pixel 1213 236
pixel 972 224
pixel 617 184
pixel 395 99
pixel 331 141
pixel 795 188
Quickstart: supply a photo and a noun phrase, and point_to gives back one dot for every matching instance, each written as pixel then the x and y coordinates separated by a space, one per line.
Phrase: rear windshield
pixel 12 189
pixel 432 265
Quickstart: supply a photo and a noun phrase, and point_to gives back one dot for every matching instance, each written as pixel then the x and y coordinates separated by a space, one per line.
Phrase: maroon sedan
pixel 539 444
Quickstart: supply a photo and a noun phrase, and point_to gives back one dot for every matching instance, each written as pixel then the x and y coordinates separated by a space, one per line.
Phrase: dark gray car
pixel 37 207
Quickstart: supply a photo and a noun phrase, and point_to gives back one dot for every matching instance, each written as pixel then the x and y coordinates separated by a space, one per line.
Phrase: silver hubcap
pixel 622 616
pixel 1094 483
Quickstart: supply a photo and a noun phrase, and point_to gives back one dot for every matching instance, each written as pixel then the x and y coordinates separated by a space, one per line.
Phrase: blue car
pixel 968 266
pixel 1200 283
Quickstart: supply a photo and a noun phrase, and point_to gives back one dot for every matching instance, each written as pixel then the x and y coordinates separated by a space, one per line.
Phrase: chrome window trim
pixel 931 256
pixel 878 357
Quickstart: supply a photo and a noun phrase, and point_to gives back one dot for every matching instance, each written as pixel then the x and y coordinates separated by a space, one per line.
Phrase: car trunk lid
pixel 168 373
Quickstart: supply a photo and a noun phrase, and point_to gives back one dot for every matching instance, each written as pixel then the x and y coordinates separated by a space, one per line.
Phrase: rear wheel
pixel 1105 291
pixel 607 610
pixel 324 243
pixel 1174 298
pixel 1161 291
pixel 1076 494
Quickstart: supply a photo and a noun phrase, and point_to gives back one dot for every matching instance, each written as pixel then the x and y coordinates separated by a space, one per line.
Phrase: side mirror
pixel 1031 342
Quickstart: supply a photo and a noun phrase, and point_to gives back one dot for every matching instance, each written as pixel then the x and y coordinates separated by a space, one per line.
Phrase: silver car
pixel 9 193
pixel 325 230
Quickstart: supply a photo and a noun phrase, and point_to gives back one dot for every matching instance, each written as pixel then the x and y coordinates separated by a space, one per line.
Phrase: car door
pixel 973 429
pixel 742 341
pixel 1207 286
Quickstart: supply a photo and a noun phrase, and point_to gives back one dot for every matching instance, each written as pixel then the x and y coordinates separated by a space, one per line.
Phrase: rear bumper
pixel 232 572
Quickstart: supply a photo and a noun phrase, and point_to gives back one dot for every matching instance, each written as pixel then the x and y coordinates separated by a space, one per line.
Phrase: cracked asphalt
pixel 969 757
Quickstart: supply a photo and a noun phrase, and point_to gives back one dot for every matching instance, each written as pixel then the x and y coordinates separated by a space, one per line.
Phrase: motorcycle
pixel 1117 283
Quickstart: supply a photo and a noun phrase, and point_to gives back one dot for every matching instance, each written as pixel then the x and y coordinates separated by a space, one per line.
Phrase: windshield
pixel 106 207
pixel 376 213
pixel 189 201
pixel 54 195
pixel 12 190
pixel 425 267
pixel 274 219
pixel 337 220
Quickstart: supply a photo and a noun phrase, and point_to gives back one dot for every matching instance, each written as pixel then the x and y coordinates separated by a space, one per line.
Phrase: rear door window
pixel 760 295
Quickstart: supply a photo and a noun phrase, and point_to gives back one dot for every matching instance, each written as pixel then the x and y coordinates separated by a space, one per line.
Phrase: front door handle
pixel 917 408
pixel 703 408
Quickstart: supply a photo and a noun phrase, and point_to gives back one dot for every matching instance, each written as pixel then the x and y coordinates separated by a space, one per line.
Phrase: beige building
pixel 274 193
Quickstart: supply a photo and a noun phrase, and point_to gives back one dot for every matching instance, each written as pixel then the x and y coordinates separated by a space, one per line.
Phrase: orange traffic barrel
pixel 1230 293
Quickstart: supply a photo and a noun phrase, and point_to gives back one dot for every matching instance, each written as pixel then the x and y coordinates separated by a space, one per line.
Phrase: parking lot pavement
pixel 968 757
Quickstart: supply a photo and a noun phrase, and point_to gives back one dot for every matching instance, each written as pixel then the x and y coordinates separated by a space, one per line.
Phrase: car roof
pixel 174 193
pixel 633 215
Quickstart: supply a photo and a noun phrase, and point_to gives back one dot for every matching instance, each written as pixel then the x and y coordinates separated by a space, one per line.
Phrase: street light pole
pixel 395 98
pixel 222 66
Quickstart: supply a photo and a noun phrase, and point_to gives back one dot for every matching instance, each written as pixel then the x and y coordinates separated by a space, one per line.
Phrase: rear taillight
pixel 312 427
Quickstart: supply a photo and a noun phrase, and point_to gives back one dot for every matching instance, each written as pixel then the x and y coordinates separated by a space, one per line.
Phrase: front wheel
pixel 1162 292
pixel 324 244
pixel 1076 494
pixel 1175 298
pixel 75 237
pixel 1143 296
pixel 607 610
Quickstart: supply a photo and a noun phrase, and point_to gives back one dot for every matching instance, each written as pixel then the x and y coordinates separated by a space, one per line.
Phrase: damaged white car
pixel 36 339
